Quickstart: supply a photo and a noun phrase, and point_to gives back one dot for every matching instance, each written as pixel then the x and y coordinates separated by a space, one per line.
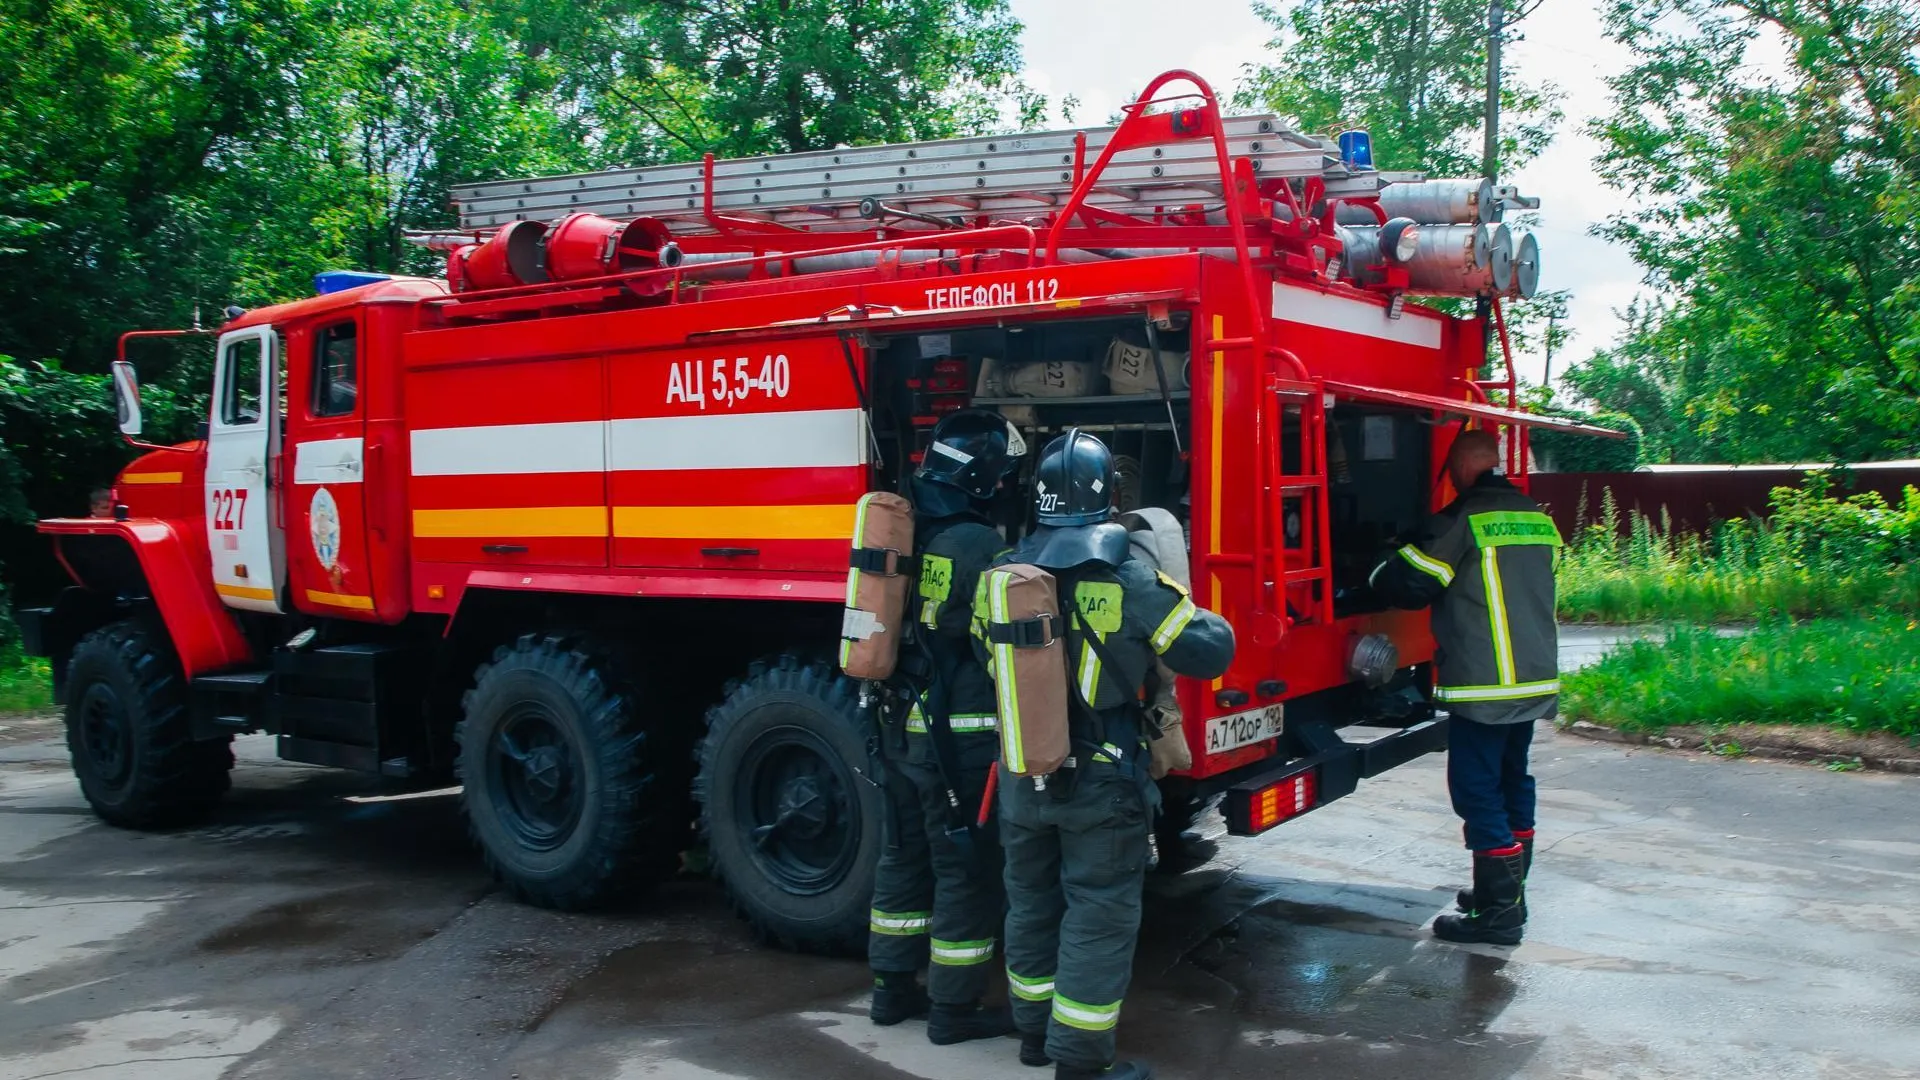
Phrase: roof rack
pixel 992 175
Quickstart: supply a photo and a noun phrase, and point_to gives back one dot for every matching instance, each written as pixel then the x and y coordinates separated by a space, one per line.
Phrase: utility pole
pixel 1490 147
pixel 1490 162
pixel 1546 372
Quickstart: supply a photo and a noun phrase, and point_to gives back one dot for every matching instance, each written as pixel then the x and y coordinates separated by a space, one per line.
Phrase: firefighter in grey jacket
pixel 1076 849
pixel 1485 564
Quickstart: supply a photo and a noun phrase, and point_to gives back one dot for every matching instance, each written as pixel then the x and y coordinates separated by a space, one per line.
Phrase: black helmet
pixel 971 452
pixel 1073 484
pixel 1073 505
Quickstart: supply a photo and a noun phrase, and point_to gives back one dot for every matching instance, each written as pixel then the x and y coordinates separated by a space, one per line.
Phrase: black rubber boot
pixel 1126 1070
pixel 1033 1049
pixel 897 996
pixel 1464 901
pixel 1500 911
pixel 949 1024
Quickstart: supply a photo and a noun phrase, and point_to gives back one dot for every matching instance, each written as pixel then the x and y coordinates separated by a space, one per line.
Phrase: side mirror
pixel 126 398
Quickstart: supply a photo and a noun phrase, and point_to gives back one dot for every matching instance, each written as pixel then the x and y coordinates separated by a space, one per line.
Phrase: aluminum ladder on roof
pixel 988 174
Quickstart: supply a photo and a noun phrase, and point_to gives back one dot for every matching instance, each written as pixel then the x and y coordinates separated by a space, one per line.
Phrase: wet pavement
pixel 1693 917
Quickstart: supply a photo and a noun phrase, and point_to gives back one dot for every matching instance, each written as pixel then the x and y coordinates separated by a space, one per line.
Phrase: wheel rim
pixel 536 774
pixel 795 807
pixel 106 735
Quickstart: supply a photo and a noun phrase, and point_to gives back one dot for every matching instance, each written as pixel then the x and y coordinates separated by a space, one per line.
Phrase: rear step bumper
pixel 1335 768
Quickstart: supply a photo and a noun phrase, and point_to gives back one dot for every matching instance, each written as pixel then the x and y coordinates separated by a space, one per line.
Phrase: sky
pixel 1106 51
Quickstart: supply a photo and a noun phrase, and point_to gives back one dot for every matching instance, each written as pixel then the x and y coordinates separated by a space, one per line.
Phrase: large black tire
pixel 129 736
pixel 567 792
pixel 791 819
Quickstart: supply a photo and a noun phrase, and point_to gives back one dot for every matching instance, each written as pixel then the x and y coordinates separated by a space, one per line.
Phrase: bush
pixel 1861 674
pixel 25 683
pixel 1817 556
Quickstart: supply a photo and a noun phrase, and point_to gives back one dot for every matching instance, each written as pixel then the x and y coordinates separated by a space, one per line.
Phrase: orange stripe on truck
pixel 830 521
pixel 514 521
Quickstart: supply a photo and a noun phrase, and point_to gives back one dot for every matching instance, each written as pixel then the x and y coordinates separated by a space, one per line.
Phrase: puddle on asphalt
pixel 344 926
pixel 1232 979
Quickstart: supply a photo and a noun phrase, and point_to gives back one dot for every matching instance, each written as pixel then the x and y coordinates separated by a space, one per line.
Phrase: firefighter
pixel 1485 564
pixel 937 895
pixel 1076 849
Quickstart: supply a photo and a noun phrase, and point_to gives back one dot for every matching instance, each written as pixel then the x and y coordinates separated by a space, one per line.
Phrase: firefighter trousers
pixel 937 896
pixel 1076 858
pixel 1488 780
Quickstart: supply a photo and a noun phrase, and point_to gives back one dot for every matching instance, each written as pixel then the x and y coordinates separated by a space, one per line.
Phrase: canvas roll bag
pixel 1129 368
pixel 1026 640
pixel 880 580
pixel 1155 537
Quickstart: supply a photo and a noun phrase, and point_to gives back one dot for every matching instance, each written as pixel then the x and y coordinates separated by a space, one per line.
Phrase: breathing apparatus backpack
pixel 1154 537
pixel 1027 642
pixel 879 583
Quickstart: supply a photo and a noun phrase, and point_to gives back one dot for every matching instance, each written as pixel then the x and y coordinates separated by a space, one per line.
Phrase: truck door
pixel 327 504
pixel 243 439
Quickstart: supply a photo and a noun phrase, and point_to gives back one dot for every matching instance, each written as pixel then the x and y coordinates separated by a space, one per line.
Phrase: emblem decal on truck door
pixel 323 526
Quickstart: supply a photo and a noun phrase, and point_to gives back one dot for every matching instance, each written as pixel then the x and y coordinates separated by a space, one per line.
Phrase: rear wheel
pixel 565 789
pixel 129 737
pixel 790 816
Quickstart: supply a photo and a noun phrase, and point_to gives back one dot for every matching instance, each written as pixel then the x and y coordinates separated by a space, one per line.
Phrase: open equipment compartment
pixel 1381 474
pixel 1045 377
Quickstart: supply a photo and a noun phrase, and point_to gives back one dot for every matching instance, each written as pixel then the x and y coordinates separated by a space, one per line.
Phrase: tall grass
pixel 1859 674
pixel 1817 556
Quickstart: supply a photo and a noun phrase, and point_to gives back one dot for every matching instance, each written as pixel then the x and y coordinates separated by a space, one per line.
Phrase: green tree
pixel 161 159
pixel 1412 72
pixel 673 79
pixel 1775 219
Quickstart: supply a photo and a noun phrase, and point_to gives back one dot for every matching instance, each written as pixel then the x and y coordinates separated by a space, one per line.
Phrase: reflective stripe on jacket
pixel 1485 564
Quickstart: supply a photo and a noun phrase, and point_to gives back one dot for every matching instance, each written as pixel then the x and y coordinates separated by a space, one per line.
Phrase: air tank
pixel 1526 268
pixel 1431 202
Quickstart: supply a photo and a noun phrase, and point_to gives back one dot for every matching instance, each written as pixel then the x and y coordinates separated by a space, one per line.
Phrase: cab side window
pixel 240 403
pixel 335 369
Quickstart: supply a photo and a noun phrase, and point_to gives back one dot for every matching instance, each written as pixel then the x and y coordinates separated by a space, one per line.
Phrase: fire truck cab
pixel 572 527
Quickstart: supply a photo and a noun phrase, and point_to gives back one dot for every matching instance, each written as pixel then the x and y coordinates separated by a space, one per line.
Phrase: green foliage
pixel 1858 673
pixel 1412 72
pixel 1817 556
pixel 26 685
pixel 161 160
pixel 1776 221
pixel 1559 451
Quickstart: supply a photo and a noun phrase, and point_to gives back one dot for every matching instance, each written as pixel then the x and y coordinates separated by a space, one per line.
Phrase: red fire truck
pixel 572 526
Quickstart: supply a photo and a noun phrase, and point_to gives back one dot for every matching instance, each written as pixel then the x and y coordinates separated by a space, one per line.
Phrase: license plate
pixel 1239 729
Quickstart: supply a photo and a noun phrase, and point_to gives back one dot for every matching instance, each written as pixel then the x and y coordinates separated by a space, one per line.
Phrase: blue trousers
pixel 1487 778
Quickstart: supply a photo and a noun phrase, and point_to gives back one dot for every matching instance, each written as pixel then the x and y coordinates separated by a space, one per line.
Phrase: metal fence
pixel 1694 499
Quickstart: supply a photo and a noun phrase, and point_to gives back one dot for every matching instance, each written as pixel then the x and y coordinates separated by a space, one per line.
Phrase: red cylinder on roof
pixel 512 256
pixel 588 245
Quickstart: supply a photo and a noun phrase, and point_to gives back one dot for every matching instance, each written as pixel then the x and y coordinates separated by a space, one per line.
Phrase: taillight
pixel 1258 809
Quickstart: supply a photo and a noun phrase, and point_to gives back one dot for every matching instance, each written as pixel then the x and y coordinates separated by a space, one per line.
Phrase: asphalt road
pixel 1692 918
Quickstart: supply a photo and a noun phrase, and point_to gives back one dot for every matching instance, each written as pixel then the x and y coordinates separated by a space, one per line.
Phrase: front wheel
pixel 563 788
pixel 129 737
pixel 790 814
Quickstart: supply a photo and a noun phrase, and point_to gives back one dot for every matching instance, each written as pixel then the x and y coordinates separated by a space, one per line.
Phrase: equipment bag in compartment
pixel 1030 681
pixel 1129 368
pixel 1053 378
pixel 879 582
